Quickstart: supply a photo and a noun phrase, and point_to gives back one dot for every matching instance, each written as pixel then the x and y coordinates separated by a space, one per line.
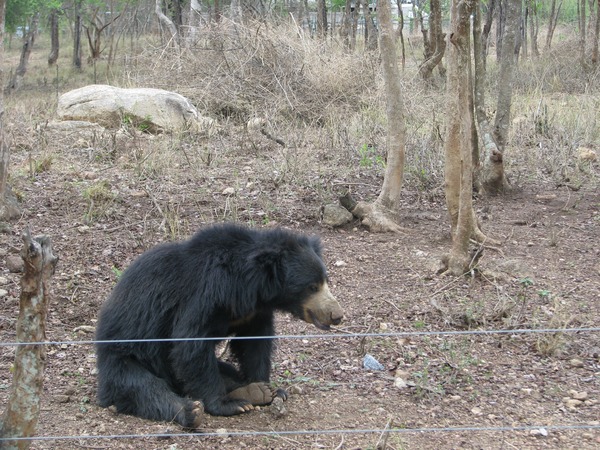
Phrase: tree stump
pixel 22 412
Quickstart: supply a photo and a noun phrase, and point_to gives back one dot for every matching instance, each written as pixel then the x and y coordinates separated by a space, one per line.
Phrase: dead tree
pixel 22 412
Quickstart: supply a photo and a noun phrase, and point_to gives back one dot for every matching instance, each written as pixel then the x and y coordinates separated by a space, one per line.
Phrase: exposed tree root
pixel 373 216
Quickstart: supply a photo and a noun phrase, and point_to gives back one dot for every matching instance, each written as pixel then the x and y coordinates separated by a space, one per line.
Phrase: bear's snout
pixel 322 309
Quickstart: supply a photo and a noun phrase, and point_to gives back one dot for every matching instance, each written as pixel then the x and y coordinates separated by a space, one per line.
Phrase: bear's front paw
pixel 192 415
pixel 228 407
pixel 258 393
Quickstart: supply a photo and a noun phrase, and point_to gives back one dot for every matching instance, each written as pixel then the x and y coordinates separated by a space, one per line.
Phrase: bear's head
pixel 302 283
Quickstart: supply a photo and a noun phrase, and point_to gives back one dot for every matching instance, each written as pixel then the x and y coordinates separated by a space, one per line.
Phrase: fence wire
pixel 465 429
pixel 314 336
pixel 539 429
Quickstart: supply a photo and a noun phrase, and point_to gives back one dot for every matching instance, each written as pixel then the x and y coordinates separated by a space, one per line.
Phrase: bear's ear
pixel 315 244
pixel 266 267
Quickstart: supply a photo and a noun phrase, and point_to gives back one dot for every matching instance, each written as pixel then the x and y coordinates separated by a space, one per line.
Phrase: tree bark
pixel 485 33
pixel 377 216
pixel 17 80
pixel 22 411
pixel 552 21
pixel 370 28
pixel 595 36
pixel 458 148
pixel 534 27
pixel 54 38
pixel 436 43
pixel 77 36
pixel 321 19
pixel 9 208
pixel 505 77
pixel 167 24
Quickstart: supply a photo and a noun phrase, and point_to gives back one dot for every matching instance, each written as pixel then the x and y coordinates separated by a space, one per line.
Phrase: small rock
pixel 576 362
pixel 371 363
pixel 539 432
pixel 383 326
pixel 3 281
pixel 400 383
pixel 476 411
pixel 336 215
pixel 14 264
pixel 221 431
pixel 83 229
pixel 295 390
pixel 3 293
pixel 62 398
pixel 586 154
pixel 583 396
pixel 228 191
pixel 339 263
pixel 572 403
pixel 85 329
pixel 278 408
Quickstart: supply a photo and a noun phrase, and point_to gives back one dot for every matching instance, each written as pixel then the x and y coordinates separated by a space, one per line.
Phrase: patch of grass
pixel 99 198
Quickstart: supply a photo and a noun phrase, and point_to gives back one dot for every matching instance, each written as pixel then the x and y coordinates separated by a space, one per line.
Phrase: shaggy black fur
pixel 225 280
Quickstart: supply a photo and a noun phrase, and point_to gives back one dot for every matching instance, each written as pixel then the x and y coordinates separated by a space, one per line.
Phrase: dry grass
pixel 325 103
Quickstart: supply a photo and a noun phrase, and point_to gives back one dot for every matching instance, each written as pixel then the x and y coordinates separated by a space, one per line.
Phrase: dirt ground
pixel 103 206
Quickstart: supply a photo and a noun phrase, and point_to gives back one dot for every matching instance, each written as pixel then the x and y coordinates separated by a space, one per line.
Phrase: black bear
pixel 225 280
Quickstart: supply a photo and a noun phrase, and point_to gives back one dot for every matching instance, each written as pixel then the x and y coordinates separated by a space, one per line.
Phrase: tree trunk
pixel 346 30
pixel 582 38
pixel 376 216
pixel 77 36
pixel 436 41
pixel 321 19
pixel 458 159
pixel 552 21
pixel 400 32
pixel 28 41
pixel 168 25
pixel 505 77
pixel 596 35
pixel 23 408
pixel 534 27
pixel 9 209
pixel 485 33
pixel 54 42
pixel 370 28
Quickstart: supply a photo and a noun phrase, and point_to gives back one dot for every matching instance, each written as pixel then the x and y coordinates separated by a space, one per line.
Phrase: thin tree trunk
pixel 23 408
pixel 582 37
pixel 401 32
pixel 77 36
pixel 485 33
pixel 505 77
pixel 370 29
pixel 54 35
pixel 321 19
pixel 9 208
pixel 596 35
pixel 168 25
pixel 458 160
pixel 436 47
pixel 376 216
pixel 17 79
pixel 534 27
pixel 552 21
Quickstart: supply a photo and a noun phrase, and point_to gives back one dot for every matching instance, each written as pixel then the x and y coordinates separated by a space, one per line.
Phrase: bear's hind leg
pixel 133 390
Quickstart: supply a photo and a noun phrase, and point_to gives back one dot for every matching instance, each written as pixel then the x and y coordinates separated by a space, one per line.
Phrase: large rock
pixel 152 110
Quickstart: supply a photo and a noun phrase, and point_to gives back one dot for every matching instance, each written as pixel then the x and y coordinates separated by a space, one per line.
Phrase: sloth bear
pixel 225 280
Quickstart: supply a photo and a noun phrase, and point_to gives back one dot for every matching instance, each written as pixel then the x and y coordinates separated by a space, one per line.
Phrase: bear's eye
pixel 314 287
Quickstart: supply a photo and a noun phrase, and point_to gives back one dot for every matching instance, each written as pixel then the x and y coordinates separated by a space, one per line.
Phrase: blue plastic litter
pixel 371 363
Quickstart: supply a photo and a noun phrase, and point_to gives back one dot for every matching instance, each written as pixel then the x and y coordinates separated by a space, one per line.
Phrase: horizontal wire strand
pixel 314 336
pixel 469 429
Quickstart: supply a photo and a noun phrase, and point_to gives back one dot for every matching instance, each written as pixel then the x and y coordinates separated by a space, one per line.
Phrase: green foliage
pixel 369 157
